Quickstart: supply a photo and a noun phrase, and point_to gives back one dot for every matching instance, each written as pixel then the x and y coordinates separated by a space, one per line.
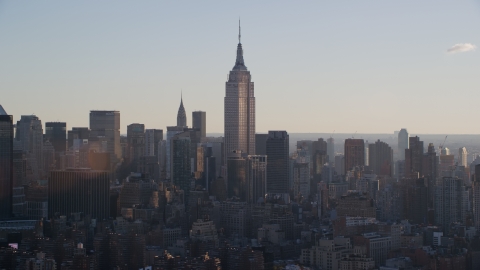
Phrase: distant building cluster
pixel 91 198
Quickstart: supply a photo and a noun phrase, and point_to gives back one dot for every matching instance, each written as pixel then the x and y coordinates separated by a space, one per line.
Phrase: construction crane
pixel 353 136
pixel 331 135
pixel 441 145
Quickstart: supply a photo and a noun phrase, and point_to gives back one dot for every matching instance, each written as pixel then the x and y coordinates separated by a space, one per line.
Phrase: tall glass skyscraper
pixel 6 163
pixel 239 108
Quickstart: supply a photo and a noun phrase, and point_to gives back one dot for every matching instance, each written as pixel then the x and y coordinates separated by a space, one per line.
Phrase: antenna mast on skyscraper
pixel 239 32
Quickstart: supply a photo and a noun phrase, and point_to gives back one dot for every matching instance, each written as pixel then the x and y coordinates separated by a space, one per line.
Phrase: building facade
pixel 79 190
pixel 6 163
pixel 239 111
pixel 199 121
pixel 278 162
pixel 354 153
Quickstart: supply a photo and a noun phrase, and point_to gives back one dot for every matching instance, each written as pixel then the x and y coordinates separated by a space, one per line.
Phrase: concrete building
pixel 354 153
pixel 402 143
pixel 414 157
pixel 204 231
pixel 476 198
pixel 278 162
pixel 239 108
pixel 79 191
pixel 375 246
pixel 381 158
pixel 199 121
pixel 449 204
pixel 107 124
pixel 6 163
pixel 356 204
pixel 301 179
pixel 29 135
pixel 331 151
pixel 462 157
pixel 327 253
pixel 153 139
pixel 340 164
pixel 430 172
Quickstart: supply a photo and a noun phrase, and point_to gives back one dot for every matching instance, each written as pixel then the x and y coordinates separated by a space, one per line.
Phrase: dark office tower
pixel 239 113
pixel 237 175
pixel 29 133
pixel 476 198
pixel 136 142
pixel 56 133
pixel 380 156
pixel 278 162
pixel 354 153
pixel 430 168
pixel 79 190
pixel 107 124
pixel 6 163
pixel 331 150
pixel 199 121
pixel 318 157
pixel 181 115
pixel 81 133
pixel 257 178
pixel 415 200
pixel 181 163
pixel 413 157
pixel 261 144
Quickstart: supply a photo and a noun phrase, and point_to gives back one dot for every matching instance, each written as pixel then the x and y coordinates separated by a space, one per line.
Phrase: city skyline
pixel 85 59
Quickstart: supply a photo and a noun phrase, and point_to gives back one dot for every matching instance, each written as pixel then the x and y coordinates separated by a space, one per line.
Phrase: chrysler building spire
pixel 181 115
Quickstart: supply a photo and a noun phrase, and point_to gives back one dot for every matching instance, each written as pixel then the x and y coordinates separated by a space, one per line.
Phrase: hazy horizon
pixel 317 67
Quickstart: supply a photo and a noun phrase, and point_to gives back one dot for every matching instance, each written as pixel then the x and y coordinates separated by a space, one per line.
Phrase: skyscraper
pixel 181 163
pixel 381 158
pixel 181 115
pixel 331 151
pixel 153 139
pixel 462 157
pixel 278 162
pixel 430 169
pixel 6 163
pixel 56 133
pixel 136 142
pixel 239 108
pixel 449 205
pixel 199 121
pixel 237 175
pixel 257 177
pixel 79 190
pixel 29 134
pixel 261 144
pixel 354 153
pixel 414 157
pixel 476 198
pixel 107 124
pixel 402 143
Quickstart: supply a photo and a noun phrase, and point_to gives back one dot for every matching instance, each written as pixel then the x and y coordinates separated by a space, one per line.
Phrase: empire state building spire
pixel 239 110
pixel 239 63
pixel 181 115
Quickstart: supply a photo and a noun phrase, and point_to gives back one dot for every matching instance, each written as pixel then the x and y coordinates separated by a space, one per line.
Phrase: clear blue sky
pixel 318 66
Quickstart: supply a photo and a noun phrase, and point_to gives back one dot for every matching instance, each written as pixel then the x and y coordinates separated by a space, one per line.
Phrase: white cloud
pixel 461 47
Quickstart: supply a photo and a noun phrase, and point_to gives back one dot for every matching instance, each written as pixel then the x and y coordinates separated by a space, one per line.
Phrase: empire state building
pixel 239 108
